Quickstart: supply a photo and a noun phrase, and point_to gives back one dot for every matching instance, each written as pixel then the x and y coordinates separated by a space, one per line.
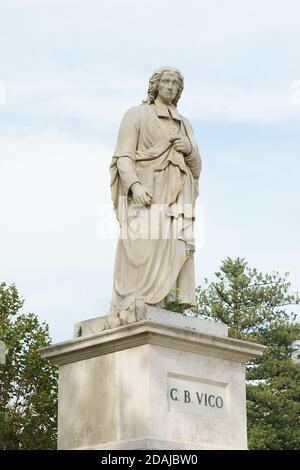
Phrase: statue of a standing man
pixel 154 183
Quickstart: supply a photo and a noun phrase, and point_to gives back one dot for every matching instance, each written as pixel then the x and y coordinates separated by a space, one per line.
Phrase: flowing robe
pixel 155 252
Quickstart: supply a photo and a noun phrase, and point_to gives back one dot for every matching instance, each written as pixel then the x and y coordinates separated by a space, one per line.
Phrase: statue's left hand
pixel 140 195
pixel 181 144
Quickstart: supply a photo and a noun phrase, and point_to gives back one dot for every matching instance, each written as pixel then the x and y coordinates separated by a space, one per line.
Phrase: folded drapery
pixel 155 249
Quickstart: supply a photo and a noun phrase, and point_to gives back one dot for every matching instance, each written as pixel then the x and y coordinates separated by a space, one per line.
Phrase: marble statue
pixel 154 184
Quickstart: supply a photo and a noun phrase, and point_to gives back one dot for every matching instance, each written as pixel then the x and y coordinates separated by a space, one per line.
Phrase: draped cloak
pixel 154 258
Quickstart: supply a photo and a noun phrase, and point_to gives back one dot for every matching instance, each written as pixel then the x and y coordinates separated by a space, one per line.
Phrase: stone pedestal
pixel 167 382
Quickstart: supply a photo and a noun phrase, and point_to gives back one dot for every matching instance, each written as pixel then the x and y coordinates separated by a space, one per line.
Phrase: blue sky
pixel 72 68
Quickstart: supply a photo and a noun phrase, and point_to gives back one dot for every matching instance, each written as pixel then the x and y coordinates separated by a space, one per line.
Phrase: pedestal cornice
pixel 149 332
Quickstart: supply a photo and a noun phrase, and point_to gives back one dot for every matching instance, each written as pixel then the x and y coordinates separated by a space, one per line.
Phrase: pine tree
pixel 257 307
pixel 28 384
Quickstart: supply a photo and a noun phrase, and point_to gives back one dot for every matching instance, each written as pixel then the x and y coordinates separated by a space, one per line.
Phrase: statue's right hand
pixel 140 195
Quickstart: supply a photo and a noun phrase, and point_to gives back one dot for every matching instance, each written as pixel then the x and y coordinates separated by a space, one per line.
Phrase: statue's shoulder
pixel 135 112
pixel 185 119
pixel 187 123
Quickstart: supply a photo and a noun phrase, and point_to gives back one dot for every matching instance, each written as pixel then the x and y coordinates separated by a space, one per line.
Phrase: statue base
pixel 169 381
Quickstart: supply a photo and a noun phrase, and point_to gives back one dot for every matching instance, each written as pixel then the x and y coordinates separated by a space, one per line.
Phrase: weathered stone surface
pixel 155 173
pixel 155 315
pixel 115 387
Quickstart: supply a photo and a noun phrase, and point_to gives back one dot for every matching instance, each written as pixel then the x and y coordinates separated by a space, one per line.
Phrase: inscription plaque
pixel 196 396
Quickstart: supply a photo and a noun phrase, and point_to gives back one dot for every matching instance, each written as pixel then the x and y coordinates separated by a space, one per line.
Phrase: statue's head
pixel 155 81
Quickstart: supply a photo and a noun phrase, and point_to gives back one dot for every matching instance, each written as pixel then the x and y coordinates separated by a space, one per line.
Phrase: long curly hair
pixel 154 81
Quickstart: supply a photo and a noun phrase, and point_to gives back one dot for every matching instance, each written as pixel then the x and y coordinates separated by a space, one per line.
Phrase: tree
pixel 28 400
pixel 256 307
pixel 273 392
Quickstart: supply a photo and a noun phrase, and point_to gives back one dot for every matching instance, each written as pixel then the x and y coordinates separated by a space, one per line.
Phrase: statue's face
pixel 168 86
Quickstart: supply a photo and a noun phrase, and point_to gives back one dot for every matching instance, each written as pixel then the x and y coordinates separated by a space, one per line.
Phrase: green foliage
pixel 175 306
pixel 273 391
pixel 244 299
pixel 255 307
pixel 28 400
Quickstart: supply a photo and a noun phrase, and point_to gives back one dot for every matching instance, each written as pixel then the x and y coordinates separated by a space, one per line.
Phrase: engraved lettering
pixel 219 402
pixel 175 398
pixel 211 397
pixel 187 396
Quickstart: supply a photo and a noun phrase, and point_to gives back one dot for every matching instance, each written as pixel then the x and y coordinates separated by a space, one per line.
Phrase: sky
pixel 69 70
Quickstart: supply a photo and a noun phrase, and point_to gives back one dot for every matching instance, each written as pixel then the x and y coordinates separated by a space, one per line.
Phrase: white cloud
pixel 51 188
pixel 233 104
pixel 72 68
pixel 84 61
pixel 50 192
